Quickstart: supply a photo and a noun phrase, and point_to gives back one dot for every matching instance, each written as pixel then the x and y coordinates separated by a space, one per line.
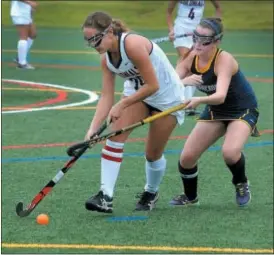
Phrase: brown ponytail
pixel 119 26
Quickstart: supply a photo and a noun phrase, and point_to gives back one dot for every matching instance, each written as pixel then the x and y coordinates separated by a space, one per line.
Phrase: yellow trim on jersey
pixel 211 114
pixel 247 112
pixel 204 69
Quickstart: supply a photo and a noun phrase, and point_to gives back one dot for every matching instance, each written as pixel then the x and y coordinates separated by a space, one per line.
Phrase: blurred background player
pixel 189 14
pixel 230 111
pixel 21 15
pixel 151 85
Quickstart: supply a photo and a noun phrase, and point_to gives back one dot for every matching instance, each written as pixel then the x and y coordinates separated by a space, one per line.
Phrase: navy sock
pixel 238 171
pixel 190 181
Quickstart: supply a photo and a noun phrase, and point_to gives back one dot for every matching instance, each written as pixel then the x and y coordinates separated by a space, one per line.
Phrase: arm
pixel 139 55
pixel 33 4
pixel 182 69
pixel 107 97
pixel 225 67
pixel 170 8
pixel 218 11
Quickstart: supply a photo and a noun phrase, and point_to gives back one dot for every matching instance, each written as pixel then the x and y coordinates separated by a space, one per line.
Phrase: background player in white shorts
pixel 189 14
pixel 151 85
pixel 21 15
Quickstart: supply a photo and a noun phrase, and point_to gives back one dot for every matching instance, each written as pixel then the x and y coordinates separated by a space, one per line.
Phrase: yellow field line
pixel 132 247
pixel 95 53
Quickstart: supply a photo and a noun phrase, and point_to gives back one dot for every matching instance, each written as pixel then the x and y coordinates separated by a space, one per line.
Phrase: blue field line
pixel 127 218
pixel 93 64
pixel 131 154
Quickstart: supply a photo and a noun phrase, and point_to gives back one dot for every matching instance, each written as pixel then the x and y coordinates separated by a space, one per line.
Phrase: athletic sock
pixel 22 48
pixel 112 156
pixel 30 42
pixel 238 170
pixel 190 181
pixel 154 174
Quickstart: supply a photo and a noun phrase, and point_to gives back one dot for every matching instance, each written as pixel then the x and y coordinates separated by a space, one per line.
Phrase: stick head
pixel 20 211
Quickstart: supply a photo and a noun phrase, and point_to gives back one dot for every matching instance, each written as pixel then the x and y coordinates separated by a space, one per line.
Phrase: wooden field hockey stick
pixel 166 38
pixel 39 197
pixel 98 139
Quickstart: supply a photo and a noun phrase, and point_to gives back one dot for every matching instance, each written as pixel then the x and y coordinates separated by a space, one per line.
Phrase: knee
pixel 33 35
pixel 188 159
pixel 231 154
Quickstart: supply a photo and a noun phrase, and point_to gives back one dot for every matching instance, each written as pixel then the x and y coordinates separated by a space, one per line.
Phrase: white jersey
pixel 19 8
pixel 188 17
pixel 191 11
pixel 171 90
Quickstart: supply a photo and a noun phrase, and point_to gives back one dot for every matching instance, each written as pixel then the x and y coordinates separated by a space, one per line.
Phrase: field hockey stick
pixel 98 139
pixel 39 197
pixel 166 38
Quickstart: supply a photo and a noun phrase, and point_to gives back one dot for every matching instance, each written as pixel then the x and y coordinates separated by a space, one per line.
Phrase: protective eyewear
pixel 202 39
pixel 95 40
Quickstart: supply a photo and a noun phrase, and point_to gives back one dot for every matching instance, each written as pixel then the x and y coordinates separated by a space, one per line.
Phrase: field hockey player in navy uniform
pixel 230 111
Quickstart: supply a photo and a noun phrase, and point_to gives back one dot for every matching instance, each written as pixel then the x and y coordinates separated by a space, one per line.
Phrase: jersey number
pixel 138 82
pixel 191 13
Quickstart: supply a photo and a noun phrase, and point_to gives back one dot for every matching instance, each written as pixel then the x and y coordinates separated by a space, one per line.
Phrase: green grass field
pixel 34 148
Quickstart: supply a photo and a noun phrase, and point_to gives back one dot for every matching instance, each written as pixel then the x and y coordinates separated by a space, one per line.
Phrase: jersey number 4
pixel 138 82
pixel 191 13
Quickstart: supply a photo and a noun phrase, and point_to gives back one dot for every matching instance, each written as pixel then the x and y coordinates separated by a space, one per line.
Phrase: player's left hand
pixel 116 111
pixel 192 103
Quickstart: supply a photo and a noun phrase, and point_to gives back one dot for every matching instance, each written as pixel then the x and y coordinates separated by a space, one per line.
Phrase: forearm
pixel 214 99
pixel 27 2
pixel 102 109
pixel 217 6
pixel 169 21
pixel 144 92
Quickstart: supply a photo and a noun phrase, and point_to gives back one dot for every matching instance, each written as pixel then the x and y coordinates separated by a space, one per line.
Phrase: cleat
pixel 147 201
pixel 100 203
pixel 183 200
pixel 243 195
pixel 26 66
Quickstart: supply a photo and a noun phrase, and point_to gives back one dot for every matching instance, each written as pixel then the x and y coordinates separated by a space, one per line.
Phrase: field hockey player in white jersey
pixel 151 85
pixel 21 15
pixel 189 15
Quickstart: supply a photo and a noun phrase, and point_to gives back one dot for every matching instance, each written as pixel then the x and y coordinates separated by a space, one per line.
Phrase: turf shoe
pixel 243 195
pixel 100 203
pixel 147 201
pixel 183 200
pixel 26 66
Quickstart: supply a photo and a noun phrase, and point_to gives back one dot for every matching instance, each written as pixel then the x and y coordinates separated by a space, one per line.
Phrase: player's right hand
pixel 89 134
pixel 193 80
pixel 171 35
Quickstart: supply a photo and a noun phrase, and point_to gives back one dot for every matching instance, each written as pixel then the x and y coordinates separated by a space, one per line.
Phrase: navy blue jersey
pixel 240 95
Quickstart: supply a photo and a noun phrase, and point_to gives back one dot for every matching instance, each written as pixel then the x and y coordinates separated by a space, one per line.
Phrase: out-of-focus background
pixel 36 132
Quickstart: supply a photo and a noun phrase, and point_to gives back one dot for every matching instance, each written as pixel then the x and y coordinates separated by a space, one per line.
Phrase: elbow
pixel 221 99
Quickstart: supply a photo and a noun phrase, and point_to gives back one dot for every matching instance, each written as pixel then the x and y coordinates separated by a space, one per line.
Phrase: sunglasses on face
pixel 202 39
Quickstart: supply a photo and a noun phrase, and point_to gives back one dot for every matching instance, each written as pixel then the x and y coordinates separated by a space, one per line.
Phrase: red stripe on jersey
pixel 117 150
pixel 111 158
